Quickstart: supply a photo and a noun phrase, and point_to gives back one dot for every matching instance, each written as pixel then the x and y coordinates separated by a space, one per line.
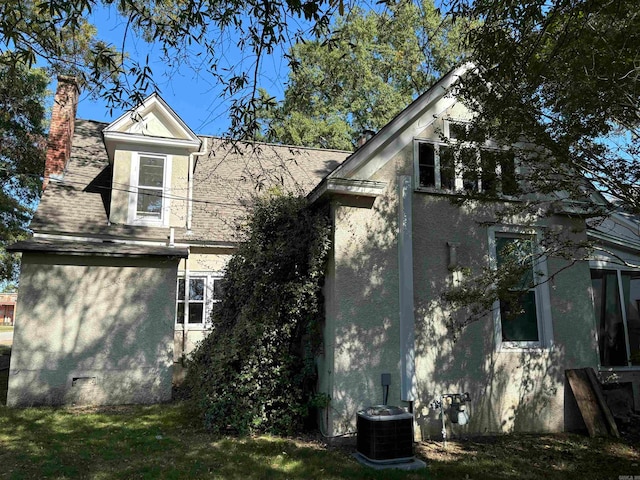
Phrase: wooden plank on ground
pixel 597 389
pixel 587 402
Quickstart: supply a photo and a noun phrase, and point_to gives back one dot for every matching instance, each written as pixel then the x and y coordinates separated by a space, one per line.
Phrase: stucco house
pixel 138 220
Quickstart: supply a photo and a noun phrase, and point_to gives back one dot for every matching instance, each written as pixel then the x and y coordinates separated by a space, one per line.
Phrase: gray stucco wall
pixel 362 311
pixel 93 330
pixel 511 390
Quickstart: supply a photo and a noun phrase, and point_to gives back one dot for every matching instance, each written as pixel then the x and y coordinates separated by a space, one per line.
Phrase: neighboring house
pixel 127 224
pixel 7 308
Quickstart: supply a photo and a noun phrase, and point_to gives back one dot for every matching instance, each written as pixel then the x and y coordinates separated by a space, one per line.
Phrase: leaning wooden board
pixel 590 407
pixel 608 416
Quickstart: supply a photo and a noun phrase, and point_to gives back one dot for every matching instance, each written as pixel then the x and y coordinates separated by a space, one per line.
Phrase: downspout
pixel 185 319
pixel 405 267
pixel 190 173
pixel 190 180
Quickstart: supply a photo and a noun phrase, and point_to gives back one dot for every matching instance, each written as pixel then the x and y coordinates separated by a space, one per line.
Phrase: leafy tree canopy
pixel 22 96
pixel 559 81
pixel 564 76
pixel 358 76
pixel 188 33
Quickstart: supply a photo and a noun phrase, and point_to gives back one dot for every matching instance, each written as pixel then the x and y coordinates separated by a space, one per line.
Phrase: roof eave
pixel 345 186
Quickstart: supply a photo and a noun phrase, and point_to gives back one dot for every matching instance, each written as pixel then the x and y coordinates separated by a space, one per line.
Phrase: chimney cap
pixel 68 79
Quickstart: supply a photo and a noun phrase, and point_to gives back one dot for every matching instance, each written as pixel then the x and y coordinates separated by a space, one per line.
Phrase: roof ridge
pixel 280 145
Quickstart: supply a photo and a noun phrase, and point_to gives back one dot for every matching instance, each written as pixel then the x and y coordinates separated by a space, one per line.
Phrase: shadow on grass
pixel 163 442
pixel 521 456
pixel 159 441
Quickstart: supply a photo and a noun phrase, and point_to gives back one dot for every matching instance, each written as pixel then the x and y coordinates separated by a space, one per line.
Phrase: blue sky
pixel 194 96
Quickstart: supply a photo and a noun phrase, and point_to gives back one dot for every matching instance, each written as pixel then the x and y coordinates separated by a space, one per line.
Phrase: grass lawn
pixel 162 442
pixel 6 328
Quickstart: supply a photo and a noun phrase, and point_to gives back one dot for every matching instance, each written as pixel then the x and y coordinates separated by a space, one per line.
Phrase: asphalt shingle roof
pixel 226 180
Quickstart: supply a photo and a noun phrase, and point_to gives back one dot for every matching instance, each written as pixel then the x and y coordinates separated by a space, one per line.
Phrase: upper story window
pixel 464 166
pixel 523 318
pixel 148 200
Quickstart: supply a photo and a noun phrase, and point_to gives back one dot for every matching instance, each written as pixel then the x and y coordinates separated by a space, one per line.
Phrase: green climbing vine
pixel 255 372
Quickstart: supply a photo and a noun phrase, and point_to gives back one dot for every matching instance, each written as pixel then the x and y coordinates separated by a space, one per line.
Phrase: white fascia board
pixel 403 138
pixel 345 186
pixel 110 138
pixel 73 238
pixel 631 224
pixel 146 139
pixel 415 111
pixel 148 243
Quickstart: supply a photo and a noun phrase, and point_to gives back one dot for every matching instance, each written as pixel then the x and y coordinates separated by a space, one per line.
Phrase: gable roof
pixel 394 136
pixel 353 176
pixel 153 122
pixel 225 181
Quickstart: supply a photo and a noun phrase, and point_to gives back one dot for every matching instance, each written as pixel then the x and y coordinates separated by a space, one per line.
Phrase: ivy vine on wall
pixel 255 372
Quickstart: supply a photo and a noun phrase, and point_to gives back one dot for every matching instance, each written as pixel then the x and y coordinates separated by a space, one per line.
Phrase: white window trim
pixel 133 218
pixel 209 278
pixel 543 298
pixel 458 180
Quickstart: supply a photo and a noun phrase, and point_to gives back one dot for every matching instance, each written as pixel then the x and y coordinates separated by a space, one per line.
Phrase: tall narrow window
pixel 508 178
pixel 447 168
pixel 469 168
pixel 522 314
pixel 427 164
pixel 518 313
pixel 150 187
pixel 616 296
pixel 216 290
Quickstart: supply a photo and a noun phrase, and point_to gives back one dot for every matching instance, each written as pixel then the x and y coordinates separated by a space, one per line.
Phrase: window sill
pixel 139 222
pixel 462 193
pixel 523 349
pixel 193 327
pixel 632 368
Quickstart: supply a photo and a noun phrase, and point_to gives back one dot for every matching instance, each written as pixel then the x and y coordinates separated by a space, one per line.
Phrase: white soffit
pixel 401 131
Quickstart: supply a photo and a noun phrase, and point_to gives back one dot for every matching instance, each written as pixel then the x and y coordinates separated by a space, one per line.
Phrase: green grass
pixel 163 442
pixel 6 328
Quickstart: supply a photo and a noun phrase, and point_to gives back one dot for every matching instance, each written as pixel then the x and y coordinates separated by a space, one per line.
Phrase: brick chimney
pixel 63 117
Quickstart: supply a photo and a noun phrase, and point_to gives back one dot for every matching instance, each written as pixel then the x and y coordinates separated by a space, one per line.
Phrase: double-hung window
pixel 522 315
pixel 148 201
pixel 195 302
pixel 461 165
pixel 616 298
